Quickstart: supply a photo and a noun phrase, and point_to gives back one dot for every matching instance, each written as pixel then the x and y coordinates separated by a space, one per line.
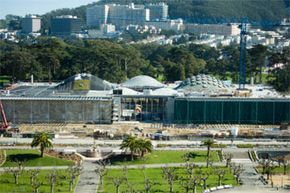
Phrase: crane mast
pixel 5 124
pixel 243 57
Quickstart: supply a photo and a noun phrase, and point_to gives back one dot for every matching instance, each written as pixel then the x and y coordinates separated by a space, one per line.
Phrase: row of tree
pixel 55 59
pixel 52 178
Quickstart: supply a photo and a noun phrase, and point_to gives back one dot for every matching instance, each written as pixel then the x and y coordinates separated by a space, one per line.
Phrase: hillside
pixel 264 12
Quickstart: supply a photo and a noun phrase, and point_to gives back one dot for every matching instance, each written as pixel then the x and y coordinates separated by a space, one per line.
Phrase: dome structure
pixel 84 82
pixel 142 82
pixel 204 84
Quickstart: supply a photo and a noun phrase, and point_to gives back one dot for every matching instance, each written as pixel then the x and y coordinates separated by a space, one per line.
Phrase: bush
pixel 162 145
pixel 245 145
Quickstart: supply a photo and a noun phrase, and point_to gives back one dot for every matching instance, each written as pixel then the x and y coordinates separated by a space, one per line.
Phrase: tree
pixel 35 185
pixel 144 146
pixel 43 140
pixel 73 171
pixel 33 174
pixel 220 173
pixel 208 143
pixel 51 177
pixel 130 143
pixel 258 55
pixel 169 174
pixel 117 181
pixel 101 170
pixel 16 172
pixel 237 170
pixel 136 146
pixel 204 178
pixel 228 157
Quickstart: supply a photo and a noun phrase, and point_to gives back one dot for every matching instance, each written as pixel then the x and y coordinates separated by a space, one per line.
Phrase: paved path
pixel 162 165
pixel 40 168
pixel 88 180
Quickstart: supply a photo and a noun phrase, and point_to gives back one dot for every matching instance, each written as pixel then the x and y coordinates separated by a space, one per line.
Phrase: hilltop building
pixel 123 15
pixel 158 11
pixel 65 25
pixel 216 29
pixel 30 24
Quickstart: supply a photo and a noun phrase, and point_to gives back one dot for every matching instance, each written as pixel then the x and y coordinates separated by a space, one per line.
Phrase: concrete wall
pixel 58 111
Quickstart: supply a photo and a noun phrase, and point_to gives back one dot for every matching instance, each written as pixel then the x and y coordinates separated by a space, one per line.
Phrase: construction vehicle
pixel 5 125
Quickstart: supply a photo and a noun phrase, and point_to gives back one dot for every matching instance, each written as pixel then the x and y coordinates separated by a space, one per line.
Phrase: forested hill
pixel 217 11
pixel 264 12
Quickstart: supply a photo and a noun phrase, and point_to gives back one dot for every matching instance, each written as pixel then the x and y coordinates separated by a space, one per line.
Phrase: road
pixel 91 141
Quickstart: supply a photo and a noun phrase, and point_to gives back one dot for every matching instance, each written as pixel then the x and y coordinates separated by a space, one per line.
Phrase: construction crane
pixel 243 57
pixel 4 124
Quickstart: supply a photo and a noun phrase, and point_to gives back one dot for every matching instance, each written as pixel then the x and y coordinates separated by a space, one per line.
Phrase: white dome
pixel 142 82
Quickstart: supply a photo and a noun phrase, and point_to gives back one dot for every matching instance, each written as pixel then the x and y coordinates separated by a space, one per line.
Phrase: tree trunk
pixel 117 189
pixel 41 151
pixel 284 169
pixel 16 176
pixel 132 156
pixel 101 179
pixel 52 188
pixel 204 184
pixel 194 189
pixel 208 154
pixel 171 187
pixel 70 185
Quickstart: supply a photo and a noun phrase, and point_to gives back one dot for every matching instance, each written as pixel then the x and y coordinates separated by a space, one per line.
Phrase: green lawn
pixel 7 182
pixel 136 179
pixel 32 158
pixel 163 157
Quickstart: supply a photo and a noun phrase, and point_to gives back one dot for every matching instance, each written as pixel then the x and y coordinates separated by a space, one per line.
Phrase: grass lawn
pixel 32 158
pixel 136 180
pixel 62 183
pixel 163 157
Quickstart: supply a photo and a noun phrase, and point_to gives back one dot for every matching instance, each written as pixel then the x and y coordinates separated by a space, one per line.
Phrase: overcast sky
pixel 23 7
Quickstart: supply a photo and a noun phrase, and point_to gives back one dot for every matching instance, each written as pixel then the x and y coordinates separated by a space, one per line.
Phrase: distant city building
pixel 30 24
pixel 216 29
pixel 65 25
pixel 137 15
pixel 175 25
pixel 158 11
pixel 97 15
pixel 118 15
pixel 108 28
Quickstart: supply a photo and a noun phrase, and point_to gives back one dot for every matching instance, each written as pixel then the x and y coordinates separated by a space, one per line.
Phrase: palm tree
pixel 130 143
pixel 209 143
pixel 43 140
pixel 144 146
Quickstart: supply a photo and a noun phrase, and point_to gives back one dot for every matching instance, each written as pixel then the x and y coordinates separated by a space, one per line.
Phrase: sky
pixel 23 7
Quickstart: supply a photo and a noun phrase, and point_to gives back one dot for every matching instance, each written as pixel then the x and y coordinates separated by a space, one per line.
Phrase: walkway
pixel 250 179
pixel 2 169
pixel 88 181
pixel 161 165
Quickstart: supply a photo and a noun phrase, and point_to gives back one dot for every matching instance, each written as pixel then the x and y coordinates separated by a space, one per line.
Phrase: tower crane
pixel 5 123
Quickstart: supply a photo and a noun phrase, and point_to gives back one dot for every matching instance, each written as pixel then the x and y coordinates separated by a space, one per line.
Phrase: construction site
pixel 84 103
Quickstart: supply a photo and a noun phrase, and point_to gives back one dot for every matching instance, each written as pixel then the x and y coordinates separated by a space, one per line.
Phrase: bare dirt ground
pixel 280 180
pixel 147 128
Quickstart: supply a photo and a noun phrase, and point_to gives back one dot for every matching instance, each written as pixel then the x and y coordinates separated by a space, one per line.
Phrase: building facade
pixel 158 11
pixel 216 29
pixel 97 15
pixel 118 15
pixel 30 24
pixel 65 25
pixel 175 25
